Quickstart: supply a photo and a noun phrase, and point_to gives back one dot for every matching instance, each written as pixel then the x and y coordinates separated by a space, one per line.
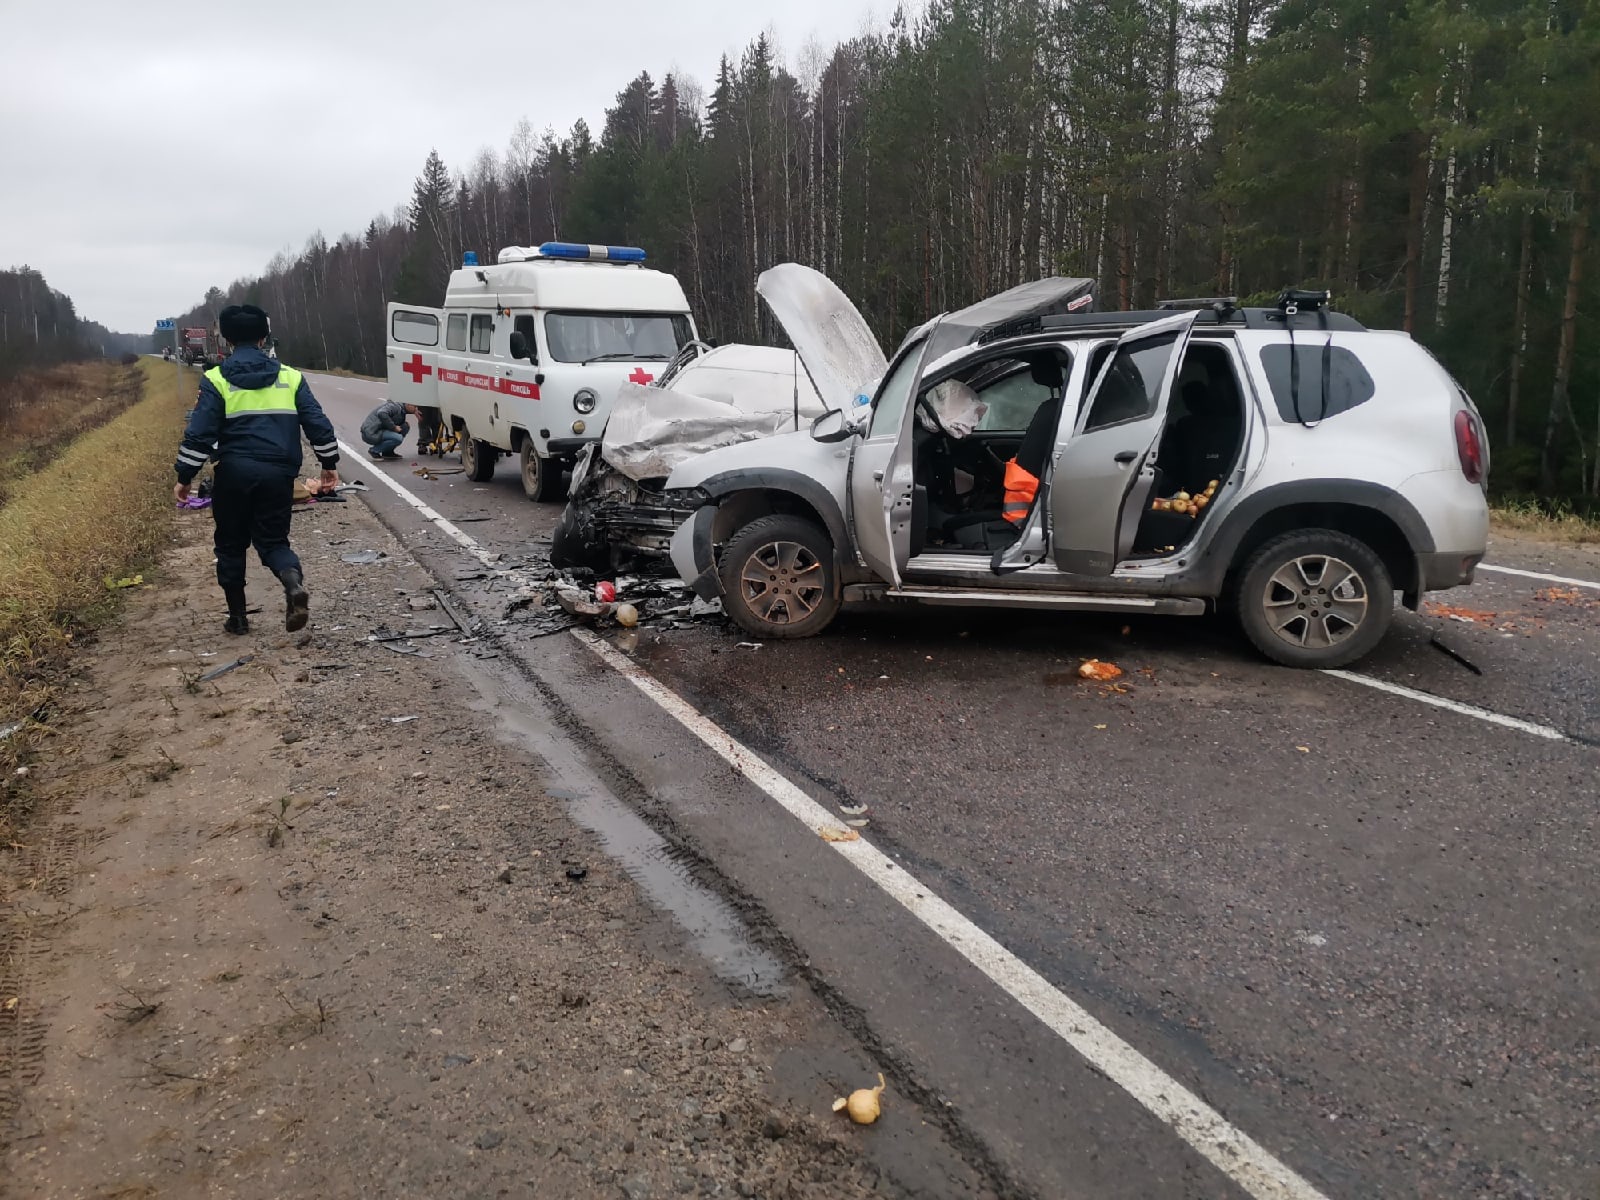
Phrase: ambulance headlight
pixel 585 400
pixel 578 427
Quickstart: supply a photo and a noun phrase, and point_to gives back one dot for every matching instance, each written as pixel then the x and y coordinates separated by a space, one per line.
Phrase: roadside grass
pixel 41 412
pixel 98 514
pixel 1544 522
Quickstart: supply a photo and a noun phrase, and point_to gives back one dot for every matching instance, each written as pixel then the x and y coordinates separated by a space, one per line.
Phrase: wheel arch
pixel 744 496
pixel 1372 513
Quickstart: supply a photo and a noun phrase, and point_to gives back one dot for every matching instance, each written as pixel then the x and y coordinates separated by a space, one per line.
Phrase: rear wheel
pixel 1315 598
pixel 477 457
pixel 779 579
pixel 541 477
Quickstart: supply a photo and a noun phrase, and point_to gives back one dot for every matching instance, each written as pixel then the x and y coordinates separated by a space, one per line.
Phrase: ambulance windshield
pixel 585 337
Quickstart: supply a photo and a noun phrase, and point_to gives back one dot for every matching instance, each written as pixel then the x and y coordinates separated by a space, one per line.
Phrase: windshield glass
pixel 587 336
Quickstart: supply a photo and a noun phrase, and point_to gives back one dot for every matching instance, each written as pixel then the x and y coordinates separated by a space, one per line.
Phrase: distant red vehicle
pixel 200 346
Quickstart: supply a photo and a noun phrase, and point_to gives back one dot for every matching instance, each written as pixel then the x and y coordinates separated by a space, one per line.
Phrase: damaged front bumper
pixel 694 553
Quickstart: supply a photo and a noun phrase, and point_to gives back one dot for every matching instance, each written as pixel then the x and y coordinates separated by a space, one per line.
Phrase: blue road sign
pixel 166 323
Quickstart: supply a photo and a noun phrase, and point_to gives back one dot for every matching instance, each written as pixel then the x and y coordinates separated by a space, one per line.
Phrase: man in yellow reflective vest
pixel 249 415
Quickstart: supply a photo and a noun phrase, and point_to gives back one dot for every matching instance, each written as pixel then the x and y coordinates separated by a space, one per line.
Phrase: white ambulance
pixel 526 354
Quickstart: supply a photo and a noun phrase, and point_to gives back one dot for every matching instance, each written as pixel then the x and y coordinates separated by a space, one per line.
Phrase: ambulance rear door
pixel 413 352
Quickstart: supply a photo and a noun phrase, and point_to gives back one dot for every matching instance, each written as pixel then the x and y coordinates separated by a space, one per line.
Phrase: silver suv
pixel 1285 463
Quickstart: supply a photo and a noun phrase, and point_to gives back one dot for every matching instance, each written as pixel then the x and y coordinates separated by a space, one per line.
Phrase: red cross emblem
pixel 416 368
pixel 640 375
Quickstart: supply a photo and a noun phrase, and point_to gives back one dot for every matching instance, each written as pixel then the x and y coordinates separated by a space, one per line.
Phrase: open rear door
pixel 1102 478
pixel 881 485
pixel 414 335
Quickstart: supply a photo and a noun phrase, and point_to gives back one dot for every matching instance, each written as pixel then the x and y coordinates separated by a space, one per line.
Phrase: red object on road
pixel 605 591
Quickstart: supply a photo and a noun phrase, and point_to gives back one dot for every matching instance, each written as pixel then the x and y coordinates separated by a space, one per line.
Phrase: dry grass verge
pixel 41 412
pixel 100 511
pixel 1530 519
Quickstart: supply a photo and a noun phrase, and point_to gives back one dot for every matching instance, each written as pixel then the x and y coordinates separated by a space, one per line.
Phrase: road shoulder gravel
pixel 312 927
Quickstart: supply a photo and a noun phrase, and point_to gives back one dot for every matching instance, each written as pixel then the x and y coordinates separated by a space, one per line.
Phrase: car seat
pixel 1045 369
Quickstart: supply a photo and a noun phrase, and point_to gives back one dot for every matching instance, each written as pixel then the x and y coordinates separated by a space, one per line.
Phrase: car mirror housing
pixel 831 426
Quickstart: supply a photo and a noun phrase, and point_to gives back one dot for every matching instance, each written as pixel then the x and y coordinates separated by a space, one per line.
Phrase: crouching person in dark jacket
pixel 250 412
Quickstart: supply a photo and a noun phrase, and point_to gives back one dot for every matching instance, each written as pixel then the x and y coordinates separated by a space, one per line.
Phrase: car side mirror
pixel 831 426
pixel 519 345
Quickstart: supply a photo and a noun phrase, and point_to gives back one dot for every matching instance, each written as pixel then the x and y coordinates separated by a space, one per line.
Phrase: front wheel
pixel 541 477
pixel 779 579
pixel 1315 598
pixel 477 457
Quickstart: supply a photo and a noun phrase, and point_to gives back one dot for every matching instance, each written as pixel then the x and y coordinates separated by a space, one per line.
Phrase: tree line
pixel 1432 163
pixel 40 327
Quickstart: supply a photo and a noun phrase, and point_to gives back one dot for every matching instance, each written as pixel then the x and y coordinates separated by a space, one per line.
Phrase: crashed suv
pixel 1285 463
pixel 617 517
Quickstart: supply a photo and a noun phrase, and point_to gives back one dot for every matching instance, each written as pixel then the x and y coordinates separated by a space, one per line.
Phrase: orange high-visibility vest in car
pixel 1022 485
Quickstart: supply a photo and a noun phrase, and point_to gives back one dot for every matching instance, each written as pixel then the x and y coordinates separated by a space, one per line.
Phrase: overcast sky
pixel 148 151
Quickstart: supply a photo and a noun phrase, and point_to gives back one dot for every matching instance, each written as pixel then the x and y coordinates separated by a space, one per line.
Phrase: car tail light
pixel 1469 446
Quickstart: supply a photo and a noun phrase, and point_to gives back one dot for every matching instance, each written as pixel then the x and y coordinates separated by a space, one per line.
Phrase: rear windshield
pixel 590 337
pixel 1348 381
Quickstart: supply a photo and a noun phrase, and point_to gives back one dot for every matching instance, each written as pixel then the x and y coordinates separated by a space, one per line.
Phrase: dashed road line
pixel 1232 1151
pixel 467 542
pixel 1588 583
pixel 1228 1148
pixel 1455 706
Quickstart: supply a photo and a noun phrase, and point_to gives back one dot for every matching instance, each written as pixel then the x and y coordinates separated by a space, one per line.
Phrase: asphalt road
pixel 1363 928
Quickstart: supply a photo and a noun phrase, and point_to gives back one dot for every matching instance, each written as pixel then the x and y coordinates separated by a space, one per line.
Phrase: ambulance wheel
pixel 477 457
pixel 541 477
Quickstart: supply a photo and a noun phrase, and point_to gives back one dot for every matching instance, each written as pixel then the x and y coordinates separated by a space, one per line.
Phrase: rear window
pixel 1349 384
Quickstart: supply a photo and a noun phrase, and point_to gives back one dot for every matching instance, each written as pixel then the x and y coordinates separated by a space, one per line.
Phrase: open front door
pixel 1101 480
pixel 881 485
pixel 413 343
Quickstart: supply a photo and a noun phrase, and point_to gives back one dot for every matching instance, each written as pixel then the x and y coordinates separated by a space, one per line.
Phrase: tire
pixel 779 579
pixel 541 477
pixel 477 457
pixel 1342 611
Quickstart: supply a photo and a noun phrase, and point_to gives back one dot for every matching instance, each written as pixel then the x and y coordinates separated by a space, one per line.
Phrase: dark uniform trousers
pixel 252 503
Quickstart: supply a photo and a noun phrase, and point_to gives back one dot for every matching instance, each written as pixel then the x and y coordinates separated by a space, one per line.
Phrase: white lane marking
pixel 1455 706
pixel 1588 583
pixel 1229 1149
pixel 416 502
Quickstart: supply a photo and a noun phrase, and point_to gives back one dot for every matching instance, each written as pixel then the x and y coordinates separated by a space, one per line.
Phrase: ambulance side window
pixel 482 331
pixel 525 326
pixel 455 333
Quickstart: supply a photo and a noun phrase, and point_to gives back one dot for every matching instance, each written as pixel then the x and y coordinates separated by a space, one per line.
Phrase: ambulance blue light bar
pixel 586 253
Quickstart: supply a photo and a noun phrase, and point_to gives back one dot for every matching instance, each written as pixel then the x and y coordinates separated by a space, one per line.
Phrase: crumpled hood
pixel 829 333
pixel 248 367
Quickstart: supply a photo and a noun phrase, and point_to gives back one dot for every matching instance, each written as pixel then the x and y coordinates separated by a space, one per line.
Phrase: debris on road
pixel 627 615
pixel 747 645
pixel 362 557
pixel 1452 653
pixel 863 1104
pixel 1103 672
pixel 605 591
pixel 224 669
pixel 831 834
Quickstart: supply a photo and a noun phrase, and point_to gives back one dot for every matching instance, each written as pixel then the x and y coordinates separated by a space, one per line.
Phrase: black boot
pixel 237 622
pixel 297 601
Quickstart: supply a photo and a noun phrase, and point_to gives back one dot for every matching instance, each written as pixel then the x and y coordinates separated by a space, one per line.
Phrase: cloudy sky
pixel 151 150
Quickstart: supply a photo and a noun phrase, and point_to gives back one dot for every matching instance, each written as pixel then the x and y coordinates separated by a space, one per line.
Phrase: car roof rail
pixel 1223 306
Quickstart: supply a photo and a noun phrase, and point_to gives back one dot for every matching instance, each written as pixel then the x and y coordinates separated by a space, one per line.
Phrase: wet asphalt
pixel 1365 929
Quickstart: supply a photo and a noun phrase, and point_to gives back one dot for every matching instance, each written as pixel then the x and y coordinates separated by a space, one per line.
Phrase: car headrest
pixel 1197 398
pixel 1046 370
